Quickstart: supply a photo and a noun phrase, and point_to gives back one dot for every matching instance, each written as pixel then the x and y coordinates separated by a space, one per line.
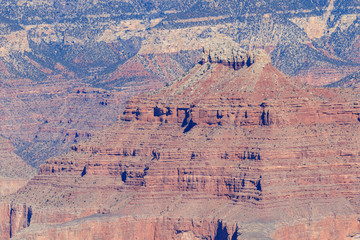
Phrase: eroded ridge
pixel 248 147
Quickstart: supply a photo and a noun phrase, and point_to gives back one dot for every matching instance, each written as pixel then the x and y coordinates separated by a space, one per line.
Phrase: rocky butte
pixel 235 149
pixel 67 67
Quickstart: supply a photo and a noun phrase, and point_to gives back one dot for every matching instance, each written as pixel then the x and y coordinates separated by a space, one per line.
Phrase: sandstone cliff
pixel 123 48
pixel 222 153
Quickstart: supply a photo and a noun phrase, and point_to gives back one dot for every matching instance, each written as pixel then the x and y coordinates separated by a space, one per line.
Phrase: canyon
pixel 197 119
pixel 81 55
pixel 235 149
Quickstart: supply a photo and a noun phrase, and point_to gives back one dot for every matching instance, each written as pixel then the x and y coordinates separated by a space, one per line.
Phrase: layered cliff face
pixel 101 227
pixel 128 47
pixel 222 153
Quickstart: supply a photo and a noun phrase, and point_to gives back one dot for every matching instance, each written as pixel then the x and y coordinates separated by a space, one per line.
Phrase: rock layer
pixel 131 47
pixel 101 227
pixel 247 147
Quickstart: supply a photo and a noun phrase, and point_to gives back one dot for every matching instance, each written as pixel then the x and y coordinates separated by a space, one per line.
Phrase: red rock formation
pixel 18 216
pixel 247 147
pixel 102 227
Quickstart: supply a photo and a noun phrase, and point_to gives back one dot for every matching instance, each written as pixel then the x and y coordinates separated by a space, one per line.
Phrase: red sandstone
pixel 220 154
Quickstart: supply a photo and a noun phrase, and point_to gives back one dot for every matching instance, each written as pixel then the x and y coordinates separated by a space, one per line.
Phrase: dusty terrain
pixel 14 172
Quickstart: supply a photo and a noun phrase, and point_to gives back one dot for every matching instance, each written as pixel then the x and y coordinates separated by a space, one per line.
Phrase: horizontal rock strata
pixel 246 147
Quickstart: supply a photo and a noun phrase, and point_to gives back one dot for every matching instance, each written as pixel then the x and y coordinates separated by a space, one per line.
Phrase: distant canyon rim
pixel 179 120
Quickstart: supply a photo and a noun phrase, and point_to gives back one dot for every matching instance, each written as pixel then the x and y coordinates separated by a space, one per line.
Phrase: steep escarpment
pixel 127 48
pixel 135 228
pixel 247 147
pixel 19 217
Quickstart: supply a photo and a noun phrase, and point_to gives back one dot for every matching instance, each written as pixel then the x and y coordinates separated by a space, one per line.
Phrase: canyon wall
pixel 61 62
pixel 247 147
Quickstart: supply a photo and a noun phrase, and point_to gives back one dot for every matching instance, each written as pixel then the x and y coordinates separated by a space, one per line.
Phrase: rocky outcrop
pixel 135 228
pixel 132 47
pixel 14 172
pixel 230 53
pixel 14 218
pixel 248 147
